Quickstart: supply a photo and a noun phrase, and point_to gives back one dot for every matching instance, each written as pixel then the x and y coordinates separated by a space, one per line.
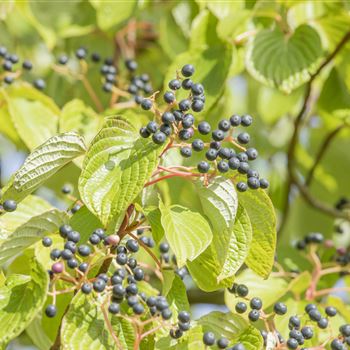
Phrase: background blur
pixel 41 31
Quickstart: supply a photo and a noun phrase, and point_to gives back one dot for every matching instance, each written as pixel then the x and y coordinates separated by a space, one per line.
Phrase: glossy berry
pixel 187 70
pixel 241 307
pixel 242 290
pixel 94 239
pixel 175 333
pixel 238 346
pixel 57 267
pixel 224 125
pixel 294 322
pixel 223 166
pixel 209 338
pixel 252 153
pixel 243 168
pixel 47 242
pixel 203 167
pixel 70 246
pixel 264 183
pixel 166 314
pixel 159 137
pixel 73 236
pixel 122 258
pixel 307 332
pixel 197 105
pixel 66 254
pixel 185 134
pixel 7 65
pixel 183 316
pixel 256 303
pixel 211 154
pixel 187 121
pixel 254 315
pixel 186 84
pixel 204 128
pixel 131 65
pixel 218 135
pixel 169 97
pixel 331 311
pixel 253 183
pixel 184 105
pixel 99 285
pixel 113 308
pixel 315 315
pixel 138 274
pixel 55 254
pixel 174 84
pixel 146 104
pixel 337 344
pixel 168 118
pixel 292 343
pixel 243 138
pixel 72 263
pixel 246 120
pixel 83 267
pixel 84 250
pixel 186 152
pixel 322 323
pixel 345 330
pixel 66 189
pixel 242 186
pixel 80 53
pixel 51 311
pixel 132 245
pixel 235 120
pixel 9 205
pixel 280 308
pixel 86 288
pixel 197 145
pixel 234 163
pixel 39 84
pixel 8 80
pixel 138 309
pixel 222 343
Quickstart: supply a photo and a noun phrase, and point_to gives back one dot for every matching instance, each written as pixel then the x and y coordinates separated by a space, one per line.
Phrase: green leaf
pixel 153 216
pixel 85 223
pixel 284 62
pixel 299 284
pixel 25 301
pixel 42 163
pixel 78 117
pixel 116 167
pixel 231 238
pixel 263 219
pixel 37 334
pixel 233 327
pixel 113 14
pixel 34 115
pixel 211 57
pixel 30 232
pixel 175 291
pixel 258 286
pixel 187 232
pixel 232 235
pixel 84 327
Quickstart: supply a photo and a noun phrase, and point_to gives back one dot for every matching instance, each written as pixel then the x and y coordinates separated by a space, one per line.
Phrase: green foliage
pixel 197 237
pixel 115 169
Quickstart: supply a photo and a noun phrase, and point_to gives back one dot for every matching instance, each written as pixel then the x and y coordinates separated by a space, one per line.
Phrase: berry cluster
pixel 299 333
pixel 223 151
pixel 12 69
pixel 126 85
pixel 222 343
pixel 112 78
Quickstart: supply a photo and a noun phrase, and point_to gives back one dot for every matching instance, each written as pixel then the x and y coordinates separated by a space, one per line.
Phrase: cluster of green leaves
pixel 274 48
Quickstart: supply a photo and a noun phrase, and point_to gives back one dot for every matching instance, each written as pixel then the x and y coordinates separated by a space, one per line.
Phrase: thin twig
pixel 321 152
